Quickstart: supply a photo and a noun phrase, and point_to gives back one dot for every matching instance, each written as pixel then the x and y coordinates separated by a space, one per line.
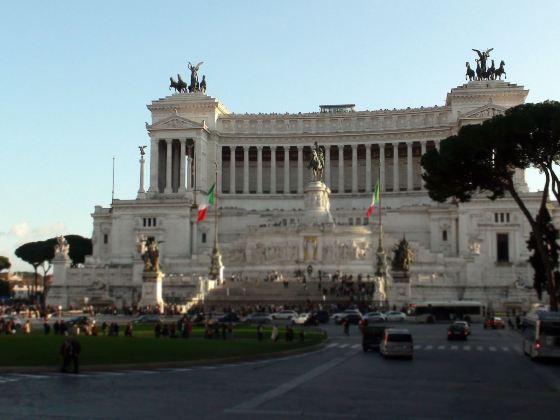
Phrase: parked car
pixel 258 318
pixel 457 332
pixel 321 316
pixel 371 337
pixel 397 342
pixel 374 317
pixel 229 317
pixel 465 324
pixel 147 319
pixel 354 316
pixel 284 315
pixel 395 316
pixel 302 319
pixel 494 323
pixel 80 321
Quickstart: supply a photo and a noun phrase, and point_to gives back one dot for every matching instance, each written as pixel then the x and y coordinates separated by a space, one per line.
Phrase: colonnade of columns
pixel 172 165
pixel 253 168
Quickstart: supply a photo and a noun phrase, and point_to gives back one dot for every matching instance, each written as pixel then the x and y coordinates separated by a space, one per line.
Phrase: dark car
pixel 147 319
pixel 229 317
pixel 321 316
pixel 80 321
pixel 495 323
pixel 457 332
pixel 371 337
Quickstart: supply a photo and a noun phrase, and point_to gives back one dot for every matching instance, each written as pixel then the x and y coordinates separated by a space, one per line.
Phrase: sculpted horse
pixel 179 85
pixel 317 165
pixel 470 72
pixel 500 70
pixel 478 70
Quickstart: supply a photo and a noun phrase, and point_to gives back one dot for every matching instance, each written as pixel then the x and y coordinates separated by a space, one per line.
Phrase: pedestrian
pixel 46 328
pixel 346 327
pixel 27 327
pixel 224 331
pixel 104 328
pixel 70 352
pixel 128 330
pixel 260 332
pixel 301 335
pixel 56 327
pixel 157 330
pixel 274 335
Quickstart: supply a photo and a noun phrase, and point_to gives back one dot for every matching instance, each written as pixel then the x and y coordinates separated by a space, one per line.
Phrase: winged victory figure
pixel 194 86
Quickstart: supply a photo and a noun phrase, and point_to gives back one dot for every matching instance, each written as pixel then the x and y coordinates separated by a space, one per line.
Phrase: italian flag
pixel 374 200
pixel 210 198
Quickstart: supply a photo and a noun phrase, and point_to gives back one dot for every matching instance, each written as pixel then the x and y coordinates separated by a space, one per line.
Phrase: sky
pixel 75 79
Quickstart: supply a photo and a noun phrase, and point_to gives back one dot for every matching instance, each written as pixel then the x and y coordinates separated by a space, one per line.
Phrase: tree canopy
pixel 483 159
pixel 4 263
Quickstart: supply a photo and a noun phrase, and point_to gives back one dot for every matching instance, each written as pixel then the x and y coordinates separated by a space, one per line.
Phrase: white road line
pixel 207 367
pixel 140 372
pixel 441 347
pixel 479 348
pixel 505 348
pixel 288 386
pixel 467 348
pixel 30 376
pixel 492 348
pixel 6 380
pixel 417 347
pixel 454 347
pixel 332 345
pixel 107 373
pixel 342 346
pixel 355 346
pixel 429 347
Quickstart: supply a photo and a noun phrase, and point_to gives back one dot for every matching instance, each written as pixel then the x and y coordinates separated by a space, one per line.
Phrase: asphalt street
pixel 486 377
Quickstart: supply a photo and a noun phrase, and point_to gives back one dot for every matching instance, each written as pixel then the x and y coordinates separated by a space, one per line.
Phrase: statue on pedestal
pixel 402 256
pixel 61 247
pixel 149 252
pixel 317 162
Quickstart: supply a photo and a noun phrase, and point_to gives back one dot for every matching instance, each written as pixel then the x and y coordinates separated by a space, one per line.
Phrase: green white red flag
pixel 210 199
pixel 374 200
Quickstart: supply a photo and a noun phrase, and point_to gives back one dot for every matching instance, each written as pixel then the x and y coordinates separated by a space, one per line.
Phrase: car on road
pixel 321 316
pixel 284 315
pixel 374 317
pixel 258 318
pixel 80 321
pixel 147 319
pixel 397 342
pixel 395 316
pixel 457 332
pixel 354 316
pixel 372 336
pixel 302 319
pixel 464 324
pixel 495 323
pixel 228 317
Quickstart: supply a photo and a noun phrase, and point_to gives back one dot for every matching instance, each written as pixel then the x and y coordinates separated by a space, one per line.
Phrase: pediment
pixel 484 112
pixel 176 122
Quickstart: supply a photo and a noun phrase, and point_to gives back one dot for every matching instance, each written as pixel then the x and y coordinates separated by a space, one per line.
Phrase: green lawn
pixel 38 349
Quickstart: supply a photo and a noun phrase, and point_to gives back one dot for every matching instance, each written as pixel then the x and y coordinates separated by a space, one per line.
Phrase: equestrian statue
pixel 317 162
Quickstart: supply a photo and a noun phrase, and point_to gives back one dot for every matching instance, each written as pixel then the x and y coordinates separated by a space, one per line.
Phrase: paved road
pixel 485 377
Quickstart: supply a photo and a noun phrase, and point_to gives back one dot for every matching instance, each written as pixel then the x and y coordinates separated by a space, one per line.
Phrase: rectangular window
pixel 105 238
pixel 507 217
pixel 351 221
pixel 154 222
pixel 502 243
pixel 444 235
pixel 496 217
pixel 204 238
pixel 144 222
pixel 502 217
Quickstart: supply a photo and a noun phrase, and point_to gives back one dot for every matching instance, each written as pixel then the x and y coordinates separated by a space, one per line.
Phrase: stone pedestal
pixel 57 294
pixel 151 289
pixel 399 288
pixel 317 205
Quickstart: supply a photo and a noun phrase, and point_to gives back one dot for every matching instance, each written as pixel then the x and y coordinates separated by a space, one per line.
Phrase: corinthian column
pixel 232 169
pixel 382 167
pixel 245 169
pixel 168 189
pixel 340 169
pixel 354 168
pixel 300 169
pixel 272 169
pixel 219 168
pixel 409 185
pixel 422 153
pixel 286 169
pixel 259 170
pixel 328 165
pixel 396 184
pixel 182 159
pixel 368 167
pixel 153 165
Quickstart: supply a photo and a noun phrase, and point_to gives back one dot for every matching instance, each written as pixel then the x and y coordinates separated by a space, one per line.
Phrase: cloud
pixel 21 233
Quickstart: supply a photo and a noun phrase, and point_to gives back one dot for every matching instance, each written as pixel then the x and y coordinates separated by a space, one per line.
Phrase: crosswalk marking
pixel 355 346
pixel 429 347
pixel 441 347
pixel 492 348
pixel 417 346
pixel 479 348
pixel 467 348
pixel 454 347
pixel 505 348
pixel 343 346
pixel 332 345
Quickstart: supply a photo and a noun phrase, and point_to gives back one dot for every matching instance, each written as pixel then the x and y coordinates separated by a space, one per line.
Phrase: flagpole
pixel 216 265
pixel 216 207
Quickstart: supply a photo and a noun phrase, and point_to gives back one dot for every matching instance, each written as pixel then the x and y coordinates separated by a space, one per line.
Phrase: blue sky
pixel 76 77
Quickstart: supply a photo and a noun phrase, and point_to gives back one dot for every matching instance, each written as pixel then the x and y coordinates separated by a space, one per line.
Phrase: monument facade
pixel 277 215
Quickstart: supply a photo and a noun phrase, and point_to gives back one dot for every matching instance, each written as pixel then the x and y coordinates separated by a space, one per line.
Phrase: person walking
pixel 70 352
pixel 274 335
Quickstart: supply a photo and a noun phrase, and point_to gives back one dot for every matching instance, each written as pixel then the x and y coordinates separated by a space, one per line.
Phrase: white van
pixel 397 342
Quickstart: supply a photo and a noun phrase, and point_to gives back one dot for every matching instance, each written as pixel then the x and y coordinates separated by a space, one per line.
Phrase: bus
pixel 466 310
pixel 541 334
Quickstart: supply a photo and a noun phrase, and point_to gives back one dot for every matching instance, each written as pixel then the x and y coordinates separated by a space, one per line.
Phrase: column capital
pixel 259 147
pixel 340 146
pixel 409 145
pixel 395 143
pixel 246 147
pixel 273 147
pixel 299 147
pixel 354 146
